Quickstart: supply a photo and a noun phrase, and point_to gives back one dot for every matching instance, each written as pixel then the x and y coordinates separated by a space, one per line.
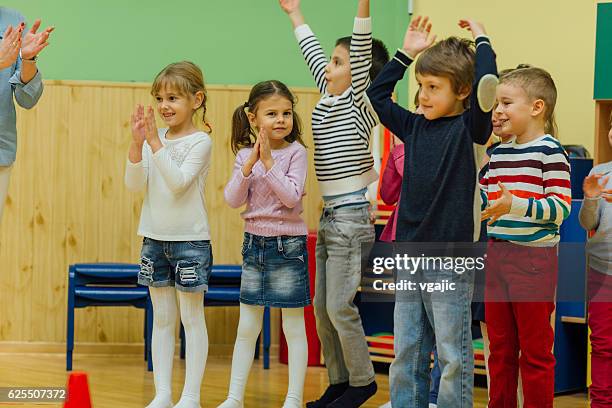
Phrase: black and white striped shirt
pixel 341 125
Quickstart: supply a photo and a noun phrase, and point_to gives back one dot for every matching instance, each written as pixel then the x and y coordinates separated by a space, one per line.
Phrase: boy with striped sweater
pixel 341 123
pixel 528 190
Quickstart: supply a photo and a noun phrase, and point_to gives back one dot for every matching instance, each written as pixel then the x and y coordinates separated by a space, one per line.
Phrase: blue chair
pixel 224 290
pixel 106 284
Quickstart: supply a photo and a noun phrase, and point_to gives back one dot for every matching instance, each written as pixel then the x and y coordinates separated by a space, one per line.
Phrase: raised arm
pixel 361 52
pixel 478 117
pixel 395 118
pixel 309 44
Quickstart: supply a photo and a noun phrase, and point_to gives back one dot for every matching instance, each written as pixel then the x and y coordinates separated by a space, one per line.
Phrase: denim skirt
pixel 275 271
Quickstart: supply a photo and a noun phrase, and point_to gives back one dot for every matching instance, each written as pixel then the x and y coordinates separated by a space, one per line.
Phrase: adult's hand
pixel 9 46
pixel 34 42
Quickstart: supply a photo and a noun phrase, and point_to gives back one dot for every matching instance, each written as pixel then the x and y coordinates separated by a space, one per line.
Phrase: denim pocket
pixel 245 246
pixel 198 244
pixel 293 248
pixel 354 228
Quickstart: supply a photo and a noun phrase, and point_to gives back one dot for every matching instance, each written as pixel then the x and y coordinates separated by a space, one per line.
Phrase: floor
pixel 123 382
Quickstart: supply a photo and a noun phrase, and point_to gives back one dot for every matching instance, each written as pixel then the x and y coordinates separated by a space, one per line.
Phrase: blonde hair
pixel 538 84
pixel 187 79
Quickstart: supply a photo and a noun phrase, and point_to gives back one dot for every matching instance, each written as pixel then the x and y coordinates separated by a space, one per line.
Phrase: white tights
pixel 196 339
pixel 249 327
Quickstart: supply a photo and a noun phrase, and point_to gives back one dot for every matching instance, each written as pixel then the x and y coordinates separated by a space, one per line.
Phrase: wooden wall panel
pixel 67 203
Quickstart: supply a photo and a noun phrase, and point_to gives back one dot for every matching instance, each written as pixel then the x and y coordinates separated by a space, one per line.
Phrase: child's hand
pixel 252 160
pixel 292 8
pixel 500 207
pixel 417 36
pixel 475 27
pixel 138 125
pixel 264 150
pixel 151 134
pixel 33 42
pixel 9 47
pixel 593 187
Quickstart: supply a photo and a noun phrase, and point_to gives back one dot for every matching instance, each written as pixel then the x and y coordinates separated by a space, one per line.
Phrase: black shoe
pixel 331 393
pixel 355 397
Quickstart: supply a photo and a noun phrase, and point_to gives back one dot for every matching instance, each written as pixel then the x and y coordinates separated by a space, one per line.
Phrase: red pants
pixel 600 322
pixel 519 300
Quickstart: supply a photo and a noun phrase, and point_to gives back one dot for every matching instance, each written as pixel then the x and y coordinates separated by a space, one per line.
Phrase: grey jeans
pixel 338 253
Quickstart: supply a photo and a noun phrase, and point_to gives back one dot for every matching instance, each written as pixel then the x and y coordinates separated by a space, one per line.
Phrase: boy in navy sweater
pixel 439 201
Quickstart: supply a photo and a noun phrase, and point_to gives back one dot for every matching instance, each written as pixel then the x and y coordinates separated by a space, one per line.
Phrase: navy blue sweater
pixel 437 202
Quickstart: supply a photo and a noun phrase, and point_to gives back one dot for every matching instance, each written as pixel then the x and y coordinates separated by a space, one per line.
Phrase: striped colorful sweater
pixel 341 125
pixel 538 176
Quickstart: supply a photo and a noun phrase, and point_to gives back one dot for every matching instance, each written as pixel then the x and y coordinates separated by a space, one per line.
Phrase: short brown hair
pixel 452 58
pixel 187 79
pixel 538 84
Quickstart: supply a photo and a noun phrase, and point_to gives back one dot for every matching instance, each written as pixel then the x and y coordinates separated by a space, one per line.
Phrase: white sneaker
pixel 387 405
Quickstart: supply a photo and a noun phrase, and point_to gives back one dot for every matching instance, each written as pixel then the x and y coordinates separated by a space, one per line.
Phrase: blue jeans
pixel 183 264
pixel 420 317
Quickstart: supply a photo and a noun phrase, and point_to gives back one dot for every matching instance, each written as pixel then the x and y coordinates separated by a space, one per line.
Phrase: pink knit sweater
pixel 273 198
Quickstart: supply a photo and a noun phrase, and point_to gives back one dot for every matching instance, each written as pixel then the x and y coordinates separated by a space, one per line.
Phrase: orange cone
pixel 78 392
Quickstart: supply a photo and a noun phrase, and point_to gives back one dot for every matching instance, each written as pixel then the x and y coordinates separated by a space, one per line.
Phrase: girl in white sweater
pixel 172 164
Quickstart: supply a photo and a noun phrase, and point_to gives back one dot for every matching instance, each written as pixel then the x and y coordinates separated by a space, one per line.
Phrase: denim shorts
pixel 184 264
pixel 275 271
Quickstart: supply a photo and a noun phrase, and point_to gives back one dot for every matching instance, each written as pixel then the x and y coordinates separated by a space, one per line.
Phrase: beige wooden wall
pixel 67 203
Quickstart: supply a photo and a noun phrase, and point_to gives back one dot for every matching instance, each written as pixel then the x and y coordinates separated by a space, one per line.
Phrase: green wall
pixel 234 41
pixel 603 52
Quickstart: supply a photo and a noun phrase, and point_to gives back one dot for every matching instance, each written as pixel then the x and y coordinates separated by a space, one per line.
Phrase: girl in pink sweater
pixel 269 176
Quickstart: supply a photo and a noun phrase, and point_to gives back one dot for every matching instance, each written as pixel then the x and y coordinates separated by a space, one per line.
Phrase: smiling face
pixel 338 71
pixel 497 126
pixel 175 108
pixel 437 98
pixel 515 110
pixel 274 115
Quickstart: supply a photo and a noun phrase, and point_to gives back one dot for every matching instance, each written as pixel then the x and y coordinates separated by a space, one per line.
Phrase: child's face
pixel 437 98
pixel 275 116
pixel 338 71
pixel 516 110
pixel 497 126
pixel 175 108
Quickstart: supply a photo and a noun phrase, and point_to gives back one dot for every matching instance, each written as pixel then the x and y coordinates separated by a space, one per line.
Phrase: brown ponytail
pixel 241 127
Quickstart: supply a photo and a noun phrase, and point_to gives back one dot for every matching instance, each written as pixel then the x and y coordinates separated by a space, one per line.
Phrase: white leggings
pixel 249 327
pixel 164 327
